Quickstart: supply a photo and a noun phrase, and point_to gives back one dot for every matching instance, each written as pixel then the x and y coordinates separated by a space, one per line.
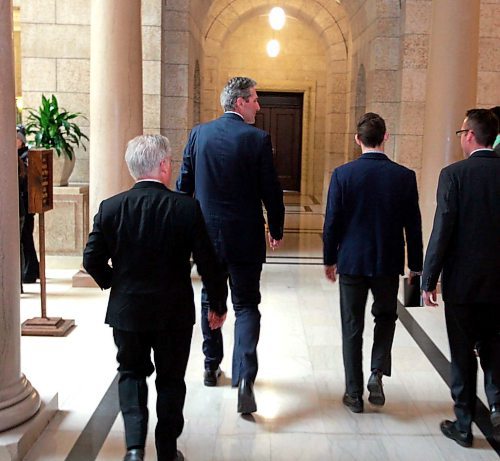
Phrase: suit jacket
pixel 465 239
pixel 372 206
pixel 228 166
pixel 149 233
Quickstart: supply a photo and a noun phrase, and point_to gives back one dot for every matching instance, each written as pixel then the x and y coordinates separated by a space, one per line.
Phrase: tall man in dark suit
pixel 465 245
pixel 228 165
pixel 150 233
pixel 372 206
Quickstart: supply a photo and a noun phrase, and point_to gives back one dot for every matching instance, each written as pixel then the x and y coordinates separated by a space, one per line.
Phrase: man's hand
pixel 273 243
pixel 215 321
pixel 430 298
pixel 331 273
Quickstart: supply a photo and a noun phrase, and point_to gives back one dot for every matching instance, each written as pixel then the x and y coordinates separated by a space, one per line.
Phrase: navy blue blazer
pixel 372 207
pixel 228 167
pixel 150 233
pixel 465 238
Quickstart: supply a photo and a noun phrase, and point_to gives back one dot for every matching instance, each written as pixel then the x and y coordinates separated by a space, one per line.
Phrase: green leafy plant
pixel 52 127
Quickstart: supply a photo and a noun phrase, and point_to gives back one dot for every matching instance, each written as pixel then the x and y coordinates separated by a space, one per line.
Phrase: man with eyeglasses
pixel 465 246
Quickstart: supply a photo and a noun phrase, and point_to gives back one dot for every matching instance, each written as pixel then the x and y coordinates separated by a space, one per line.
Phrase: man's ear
pixel 386 136
pixel 358 142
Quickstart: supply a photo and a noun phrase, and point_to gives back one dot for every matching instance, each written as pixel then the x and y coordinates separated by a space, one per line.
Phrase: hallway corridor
pixel 298 389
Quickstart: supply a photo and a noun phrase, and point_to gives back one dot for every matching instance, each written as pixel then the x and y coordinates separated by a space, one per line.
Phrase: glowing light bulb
pixel 273 48
pixel 277 18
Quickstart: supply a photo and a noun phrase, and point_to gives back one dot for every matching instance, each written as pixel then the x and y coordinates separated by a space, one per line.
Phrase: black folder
pixel 411 292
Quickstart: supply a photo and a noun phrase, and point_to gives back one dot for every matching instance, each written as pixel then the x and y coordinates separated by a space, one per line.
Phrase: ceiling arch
pixel 327 17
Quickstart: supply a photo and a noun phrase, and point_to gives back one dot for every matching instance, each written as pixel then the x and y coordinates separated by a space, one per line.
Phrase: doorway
pixel 281 115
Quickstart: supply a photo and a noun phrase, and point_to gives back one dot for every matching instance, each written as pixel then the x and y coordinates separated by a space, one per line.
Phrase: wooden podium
pixel 41 198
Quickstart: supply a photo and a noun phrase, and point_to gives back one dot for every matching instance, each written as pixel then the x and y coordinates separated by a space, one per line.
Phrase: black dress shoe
pixel 134 454
pixel 246 398
pixel 449 429
pixel 376 389
pixel 179 456
pixel 353 402
pixel 211 377
pixel 495 421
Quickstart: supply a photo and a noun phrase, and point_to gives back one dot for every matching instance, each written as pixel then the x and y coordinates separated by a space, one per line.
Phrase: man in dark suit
pixel 372 206
pixel 150 233
pixel 228 165
pixel 465 245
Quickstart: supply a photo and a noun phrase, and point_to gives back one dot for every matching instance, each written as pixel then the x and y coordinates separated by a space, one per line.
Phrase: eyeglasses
pixel 459 132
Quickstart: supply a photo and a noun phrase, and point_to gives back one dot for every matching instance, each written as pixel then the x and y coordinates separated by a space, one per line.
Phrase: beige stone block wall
pixel 488 84
pixel 415 27
pixel 67 224
pixel 55 45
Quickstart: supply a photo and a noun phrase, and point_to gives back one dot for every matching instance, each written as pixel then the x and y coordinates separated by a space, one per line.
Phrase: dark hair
pixel 371 129
pixel 484 124
pixel 496 111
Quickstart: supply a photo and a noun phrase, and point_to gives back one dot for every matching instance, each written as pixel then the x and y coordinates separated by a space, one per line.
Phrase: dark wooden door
pixel 281 115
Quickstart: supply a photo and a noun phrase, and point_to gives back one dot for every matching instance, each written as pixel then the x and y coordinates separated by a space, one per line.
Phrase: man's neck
pixel 234 112
pixel 377 149
pixel 479 148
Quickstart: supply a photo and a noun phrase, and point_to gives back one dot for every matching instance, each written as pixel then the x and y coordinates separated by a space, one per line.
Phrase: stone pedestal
pixel 15 443
pixel 67 224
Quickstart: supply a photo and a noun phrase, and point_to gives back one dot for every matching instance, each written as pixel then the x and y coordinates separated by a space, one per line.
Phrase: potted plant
pixel 52 127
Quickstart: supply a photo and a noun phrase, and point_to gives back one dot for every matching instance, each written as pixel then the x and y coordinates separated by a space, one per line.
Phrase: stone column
pixel 451 90
pixel 18 400
pixel 115 95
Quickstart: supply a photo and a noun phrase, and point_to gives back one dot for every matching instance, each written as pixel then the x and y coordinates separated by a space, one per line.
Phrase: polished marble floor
pixel 299 387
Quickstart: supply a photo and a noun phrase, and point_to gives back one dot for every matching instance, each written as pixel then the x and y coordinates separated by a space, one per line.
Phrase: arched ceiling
pixel 329 18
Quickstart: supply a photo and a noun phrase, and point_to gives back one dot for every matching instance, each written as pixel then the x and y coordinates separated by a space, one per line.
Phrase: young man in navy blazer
pixel 372 211
pixel 228 166
pixel 150 233
pixel 465 246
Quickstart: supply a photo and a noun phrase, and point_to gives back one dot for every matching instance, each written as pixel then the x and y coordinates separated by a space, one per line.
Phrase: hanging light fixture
pixel 273 48
pixel 277 18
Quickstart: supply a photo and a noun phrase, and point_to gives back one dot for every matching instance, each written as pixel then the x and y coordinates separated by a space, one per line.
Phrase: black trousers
pixel 353 296
pixel 171 353
pixel 468 325
pixel 31 269
pixel 244 282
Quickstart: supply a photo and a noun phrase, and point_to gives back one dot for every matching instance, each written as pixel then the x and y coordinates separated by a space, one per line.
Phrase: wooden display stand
pixel 40 194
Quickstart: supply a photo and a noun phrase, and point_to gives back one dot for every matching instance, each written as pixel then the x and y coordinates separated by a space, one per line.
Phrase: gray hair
pixel 145 153
pixel 21 137
pixel 237 87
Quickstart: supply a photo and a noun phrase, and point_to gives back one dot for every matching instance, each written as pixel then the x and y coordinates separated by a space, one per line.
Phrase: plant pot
pixel 62 168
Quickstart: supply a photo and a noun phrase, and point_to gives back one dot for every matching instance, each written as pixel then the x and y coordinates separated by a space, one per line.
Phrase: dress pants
pixel 171 352
pixel 353 296
pixel 244 282
pixel 468 324
pixel 31 269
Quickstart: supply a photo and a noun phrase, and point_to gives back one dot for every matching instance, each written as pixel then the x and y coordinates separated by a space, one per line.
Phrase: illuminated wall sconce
pixel 273 48
pixel 277 18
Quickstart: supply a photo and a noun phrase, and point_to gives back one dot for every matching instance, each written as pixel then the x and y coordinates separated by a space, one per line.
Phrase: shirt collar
pixel 233 112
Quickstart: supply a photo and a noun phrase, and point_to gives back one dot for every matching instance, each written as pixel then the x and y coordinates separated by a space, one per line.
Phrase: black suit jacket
pixel 149 233
pixel 465 239
pixel 228 166
pixel 372 206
